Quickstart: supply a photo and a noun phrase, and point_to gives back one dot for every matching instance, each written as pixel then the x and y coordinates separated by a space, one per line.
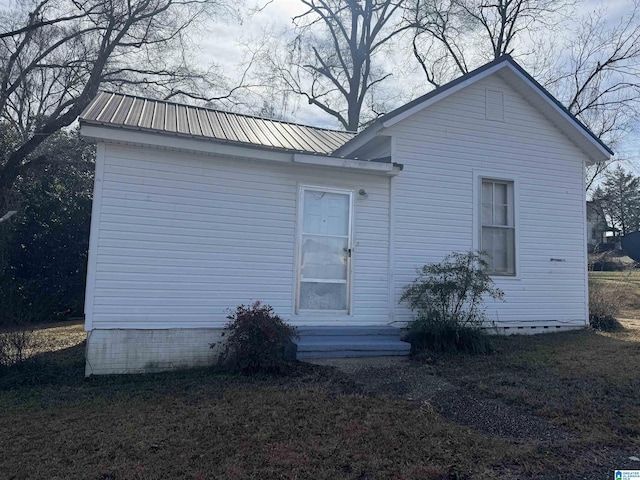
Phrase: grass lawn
pixel 319 424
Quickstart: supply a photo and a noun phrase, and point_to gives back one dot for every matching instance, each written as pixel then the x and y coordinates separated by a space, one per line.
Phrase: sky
pixel 224 45
pixel 221 42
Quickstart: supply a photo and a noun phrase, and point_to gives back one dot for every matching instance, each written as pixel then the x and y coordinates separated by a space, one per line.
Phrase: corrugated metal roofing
pixel 137 113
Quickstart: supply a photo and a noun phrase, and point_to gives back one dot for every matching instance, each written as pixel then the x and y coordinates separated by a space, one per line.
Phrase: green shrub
pixel 447 298
pixel 257 340
pixel 442 337
pixel 605 302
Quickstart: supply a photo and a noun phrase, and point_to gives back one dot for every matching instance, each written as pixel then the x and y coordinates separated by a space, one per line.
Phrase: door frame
pixel 298 253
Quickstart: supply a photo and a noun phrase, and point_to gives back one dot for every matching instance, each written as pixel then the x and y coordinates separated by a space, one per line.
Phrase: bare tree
pixel 56 54
pixel 598 77
pixel 590 62
pixel 334 60
pixel 451 37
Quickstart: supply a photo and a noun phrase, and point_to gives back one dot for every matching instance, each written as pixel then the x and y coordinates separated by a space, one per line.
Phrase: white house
pixel 196 211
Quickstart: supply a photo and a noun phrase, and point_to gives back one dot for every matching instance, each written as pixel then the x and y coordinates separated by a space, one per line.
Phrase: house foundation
pixel 117 351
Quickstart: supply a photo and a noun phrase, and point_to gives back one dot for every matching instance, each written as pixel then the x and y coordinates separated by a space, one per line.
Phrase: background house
pixel 600 236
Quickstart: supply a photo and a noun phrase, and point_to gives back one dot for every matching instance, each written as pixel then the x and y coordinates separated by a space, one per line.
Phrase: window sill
pixel 332 313
pixel 509 278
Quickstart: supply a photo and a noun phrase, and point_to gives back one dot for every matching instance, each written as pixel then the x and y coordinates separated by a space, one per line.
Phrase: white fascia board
pixel 362 165
pixel 161 140
pixel 605 154
pixel 436 98
pixel 156 140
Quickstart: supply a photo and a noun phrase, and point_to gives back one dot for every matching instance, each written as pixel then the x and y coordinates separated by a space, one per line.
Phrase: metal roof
pixel 137 113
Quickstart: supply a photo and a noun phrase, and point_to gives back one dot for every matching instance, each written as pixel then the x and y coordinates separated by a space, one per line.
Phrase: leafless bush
pixel 605 302
pixel 16 344
pixel 17 335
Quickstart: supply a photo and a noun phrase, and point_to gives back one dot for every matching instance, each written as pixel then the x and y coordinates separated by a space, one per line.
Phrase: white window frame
pixel 298 253
pixel 479 177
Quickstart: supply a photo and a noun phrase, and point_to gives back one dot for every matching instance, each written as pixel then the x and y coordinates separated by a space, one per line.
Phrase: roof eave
pixel 190 143
pixel 152 131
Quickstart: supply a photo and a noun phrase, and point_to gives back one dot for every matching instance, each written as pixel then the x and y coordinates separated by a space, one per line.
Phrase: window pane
pixel 323 296
pixel 487 242
pixel 511 251
pixel 500 250
pixel 325 213
pixel 500 193
pixel 487 192
pixel 324 258
pixel 487 214
pixel 499 244
pixel 501 215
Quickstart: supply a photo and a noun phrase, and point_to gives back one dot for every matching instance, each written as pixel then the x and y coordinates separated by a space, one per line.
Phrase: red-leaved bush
pixel 257 340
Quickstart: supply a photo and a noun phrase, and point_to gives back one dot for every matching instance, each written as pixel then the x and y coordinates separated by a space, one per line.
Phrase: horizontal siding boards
pixel 440 148
pixel 184 237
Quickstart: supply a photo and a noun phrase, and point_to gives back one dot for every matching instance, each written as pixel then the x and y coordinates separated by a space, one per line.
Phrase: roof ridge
pixel 246 115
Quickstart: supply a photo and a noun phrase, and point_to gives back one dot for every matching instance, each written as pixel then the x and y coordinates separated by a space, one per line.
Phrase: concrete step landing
pixel 344 342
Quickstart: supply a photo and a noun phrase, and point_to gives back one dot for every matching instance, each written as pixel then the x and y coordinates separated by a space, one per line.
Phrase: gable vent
pixel 494 105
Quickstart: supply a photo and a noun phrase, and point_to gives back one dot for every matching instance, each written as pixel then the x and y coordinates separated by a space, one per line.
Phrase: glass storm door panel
pixel 325 250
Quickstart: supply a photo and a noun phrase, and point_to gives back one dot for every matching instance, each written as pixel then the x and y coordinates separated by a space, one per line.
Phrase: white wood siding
pixel 182 237
pixel 442 149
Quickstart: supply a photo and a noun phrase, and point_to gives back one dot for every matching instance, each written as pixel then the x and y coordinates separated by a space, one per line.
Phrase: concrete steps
pixel 343 342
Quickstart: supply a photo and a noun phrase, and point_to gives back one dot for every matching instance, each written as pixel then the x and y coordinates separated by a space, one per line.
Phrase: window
pixel 497 236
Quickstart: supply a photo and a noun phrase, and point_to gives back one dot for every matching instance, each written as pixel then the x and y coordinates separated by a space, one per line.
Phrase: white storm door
pixel 324 251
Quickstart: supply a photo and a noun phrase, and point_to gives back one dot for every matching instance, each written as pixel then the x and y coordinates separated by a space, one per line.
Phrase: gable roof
pixel 143 114
pixel 514 75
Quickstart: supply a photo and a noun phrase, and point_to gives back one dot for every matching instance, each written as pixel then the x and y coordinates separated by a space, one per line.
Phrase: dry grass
pixel 316 423
pixel 585 383
pixel 627 283
pixel 202 424
pixel 44 338
pixel 225 430
pixel 58 336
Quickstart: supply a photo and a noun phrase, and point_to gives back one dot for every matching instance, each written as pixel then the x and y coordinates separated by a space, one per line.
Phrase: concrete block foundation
pixel 143 351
